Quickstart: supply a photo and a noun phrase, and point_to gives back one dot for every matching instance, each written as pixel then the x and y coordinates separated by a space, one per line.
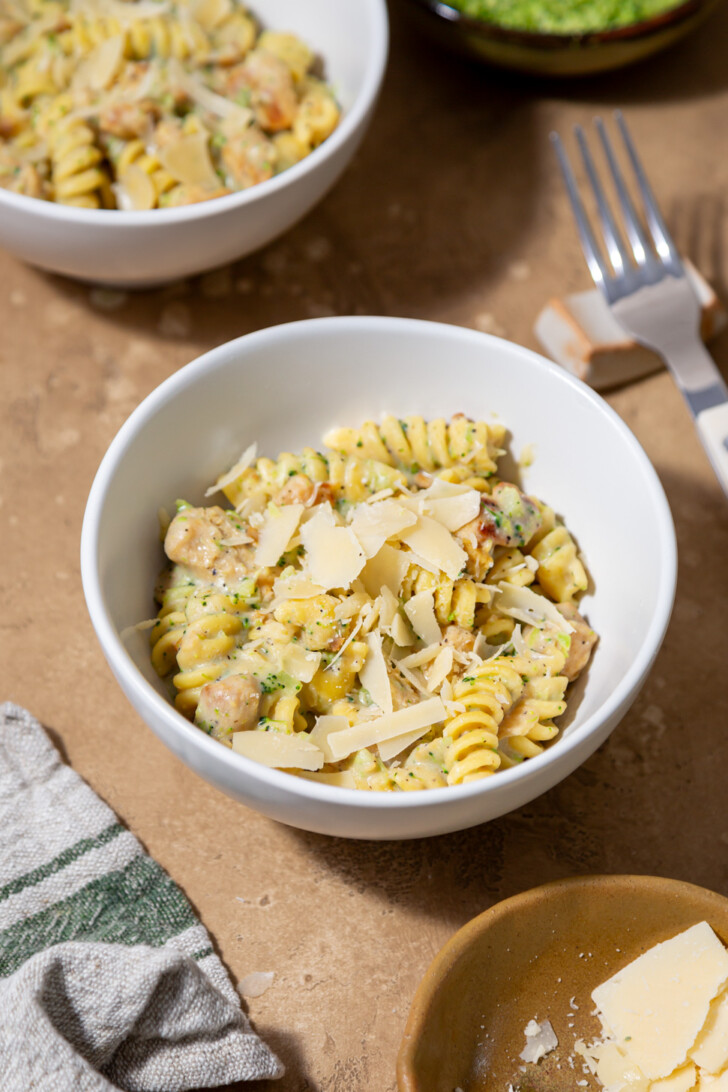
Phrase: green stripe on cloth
pixel 71 854
pixel 136 905
pixel 203 953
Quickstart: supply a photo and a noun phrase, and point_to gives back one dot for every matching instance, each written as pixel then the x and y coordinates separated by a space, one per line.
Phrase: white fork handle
pixel 713 431
pixel 702 386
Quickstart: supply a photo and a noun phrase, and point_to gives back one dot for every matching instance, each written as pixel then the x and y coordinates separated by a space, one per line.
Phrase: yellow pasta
pixel 95 106
pixel 373 590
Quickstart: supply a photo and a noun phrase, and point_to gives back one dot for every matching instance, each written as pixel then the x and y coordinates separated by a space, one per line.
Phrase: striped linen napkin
pixel 107 979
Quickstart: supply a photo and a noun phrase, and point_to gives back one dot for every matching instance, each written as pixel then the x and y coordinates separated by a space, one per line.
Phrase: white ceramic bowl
pixel 284 387
pixel 138 249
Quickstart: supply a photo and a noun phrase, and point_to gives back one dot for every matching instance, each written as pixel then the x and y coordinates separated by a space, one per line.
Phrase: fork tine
pixel 597 266
pixel 618 254
pixel 663 240
pixel 640 245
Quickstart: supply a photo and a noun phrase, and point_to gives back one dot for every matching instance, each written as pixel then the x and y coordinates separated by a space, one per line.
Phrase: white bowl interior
pixel 285 387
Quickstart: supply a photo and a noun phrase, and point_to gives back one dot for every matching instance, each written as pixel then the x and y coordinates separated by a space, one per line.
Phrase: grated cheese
pixel 386 727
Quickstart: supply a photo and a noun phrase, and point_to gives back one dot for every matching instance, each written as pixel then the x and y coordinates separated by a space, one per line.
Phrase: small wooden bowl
pixel 546 54
pixel 537 956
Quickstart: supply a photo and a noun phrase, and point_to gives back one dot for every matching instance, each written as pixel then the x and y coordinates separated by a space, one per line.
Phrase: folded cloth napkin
pixel 107 979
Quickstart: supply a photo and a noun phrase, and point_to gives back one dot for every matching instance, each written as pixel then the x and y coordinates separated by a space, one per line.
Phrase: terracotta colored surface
pixel 453 211
pixel 538 956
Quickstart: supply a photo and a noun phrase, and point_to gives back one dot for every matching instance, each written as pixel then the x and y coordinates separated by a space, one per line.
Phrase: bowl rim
pixel 276 780
pixel 350 123
pixel 446 11
pixel 458 944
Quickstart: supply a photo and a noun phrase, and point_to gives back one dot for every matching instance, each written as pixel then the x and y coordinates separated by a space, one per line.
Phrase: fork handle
pixel 713 432
pixel 706 394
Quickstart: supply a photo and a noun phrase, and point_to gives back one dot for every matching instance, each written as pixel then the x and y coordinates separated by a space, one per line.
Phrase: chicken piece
pixel 583 640
pixel 459 638
pixel 248 157
pixel 195 538
pixel 25 180
pixel 298 489
pixel 509 517
pixel 128 120
pixel 270 85
pixel 228 705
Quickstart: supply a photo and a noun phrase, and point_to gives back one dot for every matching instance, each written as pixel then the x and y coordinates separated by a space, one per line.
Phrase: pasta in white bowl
pixel 286 387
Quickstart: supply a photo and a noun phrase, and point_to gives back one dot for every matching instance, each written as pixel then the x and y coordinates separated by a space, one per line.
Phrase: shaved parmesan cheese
pixel 529 607
pixel 321 731
pixel 434 543
pixel 531 563
pixel 294 586
pixel 420 610
pixel 335 558
pixel 440 669
pixel 423 656
pixel 295 752
pixel 388 607
pixel 401 632
pixel 275 534
pixel 298 662
pixel 343 779
pixel 386 727
pixel 256 983
pixel 540 1040
pixel 414 679
pixel 481 646
pixel 374 675
pixel 234 472
pixel 450 504
pixel 386 569
pixel 373 524
pixel 394 747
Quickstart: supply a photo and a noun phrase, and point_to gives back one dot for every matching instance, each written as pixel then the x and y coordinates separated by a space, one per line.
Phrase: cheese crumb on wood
pixel 540 1040
pixel 256 983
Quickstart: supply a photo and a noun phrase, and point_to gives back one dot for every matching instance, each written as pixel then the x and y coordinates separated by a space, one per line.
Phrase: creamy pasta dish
pixel 387 614
pixel 142 104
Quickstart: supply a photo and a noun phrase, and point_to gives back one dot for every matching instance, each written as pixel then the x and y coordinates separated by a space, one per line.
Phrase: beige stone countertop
pixel 453 210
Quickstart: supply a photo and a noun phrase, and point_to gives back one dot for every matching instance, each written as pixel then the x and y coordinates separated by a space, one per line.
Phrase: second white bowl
pixel 284 387
pixel 139 249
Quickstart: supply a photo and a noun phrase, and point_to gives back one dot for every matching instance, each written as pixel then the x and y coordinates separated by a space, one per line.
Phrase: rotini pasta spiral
pixel 78 179
pixel 415 444
pixel 560 572
pixel 486 692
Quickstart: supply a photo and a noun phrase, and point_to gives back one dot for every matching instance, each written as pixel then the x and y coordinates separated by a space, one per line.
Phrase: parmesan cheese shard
pixel 440 669
pixel 660 1002
pixel 395 746
pixel 323 728
pixel 295 586
pixel 343 779
pixel 294 752
pixel 420 610
pixel 235 471
pixel 435 547
pixel 387 727
pixel 278 528
pixel 529 607
pixel 612 1067
pixel 711 1047
pixel 401 633
pixel 299 662
pixel 450 504
pixel 540 1040
pixel 335 558
pixel 386 569
pixel 374 676
pixel 373 524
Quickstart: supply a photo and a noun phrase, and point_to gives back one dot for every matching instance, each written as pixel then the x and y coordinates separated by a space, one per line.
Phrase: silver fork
pixel 647 289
